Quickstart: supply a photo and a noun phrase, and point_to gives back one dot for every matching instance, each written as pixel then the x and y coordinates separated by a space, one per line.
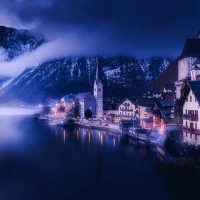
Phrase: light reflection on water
pixel 49 162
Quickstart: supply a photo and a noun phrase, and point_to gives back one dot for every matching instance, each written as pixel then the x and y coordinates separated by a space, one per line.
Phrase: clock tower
pixel 98 91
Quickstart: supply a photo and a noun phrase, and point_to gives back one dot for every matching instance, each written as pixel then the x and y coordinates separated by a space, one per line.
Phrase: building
pixel 98 91
pixel 127 107
pixel 110 109
pixel 191 110
pixel 163 115
pixel 189 55
pixel 86 100
pixel 143 107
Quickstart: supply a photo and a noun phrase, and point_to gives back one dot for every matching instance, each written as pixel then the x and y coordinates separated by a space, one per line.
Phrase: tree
pixel 172 144
pixel 76 108
pixel 88 113
pixel 178 112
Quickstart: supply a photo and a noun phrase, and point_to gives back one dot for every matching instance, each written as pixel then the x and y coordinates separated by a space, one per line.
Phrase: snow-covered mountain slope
pixel 14 42
pixel 122 76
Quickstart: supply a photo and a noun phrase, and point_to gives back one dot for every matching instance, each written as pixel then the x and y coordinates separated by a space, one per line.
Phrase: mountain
pixel 168 75
pixel 122 76
pixel 14 42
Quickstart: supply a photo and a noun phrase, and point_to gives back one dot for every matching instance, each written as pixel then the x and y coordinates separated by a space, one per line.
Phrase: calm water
pixel 46 162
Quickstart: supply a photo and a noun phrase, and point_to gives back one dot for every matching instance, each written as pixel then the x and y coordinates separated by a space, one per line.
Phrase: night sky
pixel 141 28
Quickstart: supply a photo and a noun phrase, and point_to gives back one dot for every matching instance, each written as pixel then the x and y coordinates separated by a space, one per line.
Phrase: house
pixel 143 107
pixel 191 110
pixel 126 108
pixel 110 109
pixel 163 115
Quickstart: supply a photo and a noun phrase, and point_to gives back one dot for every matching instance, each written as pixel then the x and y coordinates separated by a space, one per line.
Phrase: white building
pixel 191 110
pixel 127 108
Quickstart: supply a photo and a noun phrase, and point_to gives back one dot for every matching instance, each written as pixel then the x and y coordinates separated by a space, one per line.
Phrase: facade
pixel 163 115
pixel 126 108
pixel 110 109
pixel 143 107
pixel 86 100
pixel 191 110
pixel 98 92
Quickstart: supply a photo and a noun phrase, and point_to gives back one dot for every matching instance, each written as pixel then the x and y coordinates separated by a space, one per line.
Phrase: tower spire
pixel 97 69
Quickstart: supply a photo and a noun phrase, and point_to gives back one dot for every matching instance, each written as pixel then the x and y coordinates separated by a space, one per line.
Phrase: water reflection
pixel 78 163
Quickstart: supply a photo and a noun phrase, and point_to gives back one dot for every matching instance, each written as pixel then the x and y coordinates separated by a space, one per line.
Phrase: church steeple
pixel 98 90
pixel 98 80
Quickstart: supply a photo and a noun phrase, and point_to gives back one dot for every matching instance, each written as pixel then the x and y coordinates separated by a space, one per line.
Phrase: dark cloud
pixel 139 27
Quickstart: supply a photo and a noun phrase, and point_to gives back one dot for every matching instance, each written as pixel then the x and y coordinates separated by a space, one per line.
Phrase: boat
pixel 43 119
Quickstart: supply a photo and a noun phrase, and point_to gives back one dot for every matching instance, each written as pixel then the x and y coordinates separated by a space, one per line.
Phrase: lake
pixel 39 161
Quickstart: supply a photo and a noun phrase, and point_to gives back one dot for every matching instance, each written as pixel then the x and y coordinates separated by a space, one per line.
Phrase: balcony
pixel 126 110
pixel 190 117
pixel 191 130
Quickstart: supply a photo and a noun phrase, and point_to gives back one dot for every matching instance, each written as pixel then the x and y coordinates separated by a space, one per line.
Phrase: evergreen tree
pixel 76 108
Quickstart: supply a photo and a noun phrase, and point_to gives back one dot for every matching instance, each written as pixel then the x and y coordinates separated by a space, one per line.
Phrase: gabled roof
pixel 191 48
pixel 195 67
pixel 165 111
pixel 83 96
pixel 195 87
pixel 132 100
pixel 197 61
pixel 167 103
pixel 146 102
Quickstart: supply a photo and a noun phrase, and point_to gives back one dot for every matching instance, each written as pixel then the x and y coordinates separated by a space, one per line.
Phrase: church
pixel 86 99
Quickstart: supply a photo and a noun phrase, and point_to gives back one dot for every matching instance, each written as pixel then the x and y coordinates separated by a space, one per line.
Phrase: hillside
pixel 169 75
pixel 122 76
